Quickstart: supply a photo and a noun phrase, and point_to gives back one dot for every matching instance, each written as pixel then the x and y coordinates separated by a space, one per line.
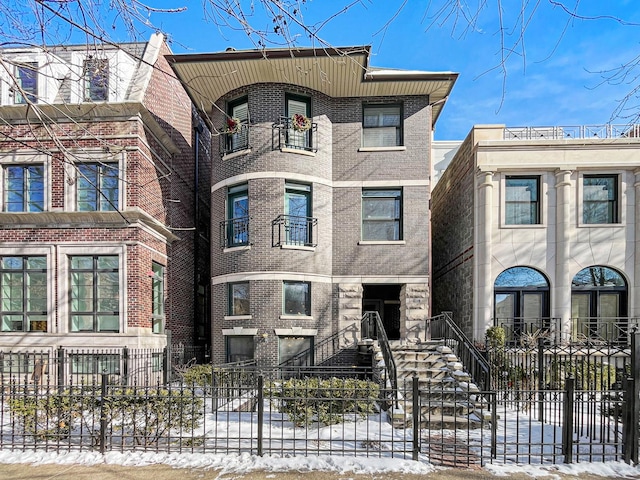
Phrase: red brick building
pixel 104 191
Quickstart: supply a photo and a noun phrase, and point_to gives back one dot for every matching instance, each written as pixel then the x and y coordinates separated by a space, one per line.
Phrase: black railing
pixel 602 330
pixel 372 327
pixel 322 352
pixel 522 330
pixel 289 137
pixel 234 232
pixel 237 141
pixel 294 230
pixel 443 327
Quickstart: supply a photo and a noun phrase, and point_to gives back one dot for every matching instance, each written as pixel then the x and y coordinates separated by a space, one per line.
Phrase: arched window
pixel 521 302
pixel 599 305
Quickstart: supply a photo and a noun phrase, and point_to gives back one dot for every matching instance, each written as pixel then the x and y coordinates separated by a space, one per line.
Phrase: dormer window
pixel 26 83
pixel 96 80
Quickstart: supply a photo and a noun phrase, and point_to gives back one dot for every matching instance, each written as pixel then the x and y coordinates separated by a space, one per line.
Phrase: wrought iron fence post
pixel 416 417
pixel 494 423
pixel 166 364
pixel 125 365
pixel 260 412
pixel 60 355
pixel 567 424
pixel 540 379
pixel 103 413
pixel 632 401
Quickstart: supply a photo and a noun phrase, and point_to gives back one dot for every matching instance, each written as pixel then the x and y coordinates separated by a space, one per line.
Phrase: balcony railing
pixel 524 331
pixel 235 142
pixel 234 232
pixel 568 132
pixel 288 137
pixel 602 330
pixel 294 230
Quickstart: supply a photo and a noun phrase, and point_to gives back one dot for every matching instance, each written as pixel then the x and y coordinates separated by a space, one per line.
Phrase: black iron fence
pixel 319 411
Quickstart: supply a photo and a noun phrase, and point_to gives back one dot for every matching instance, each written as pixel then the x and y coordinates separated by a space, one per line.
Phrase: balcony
pixel 291 138
pixel 602 330
pixel 235 142
pixel 572 131
pixel 234 232
pixel 291 230
pixel 524 331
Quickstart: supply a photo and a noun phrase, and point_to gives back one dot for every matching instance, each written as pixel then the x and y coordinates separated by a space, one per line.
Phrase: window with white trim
pixel 26 77
pixel 23 293
pixel 96 79
pixel 157 304
pixel 522 200
pixel 94 293
pixel 24 188
pixel 97 187
pixel 600 199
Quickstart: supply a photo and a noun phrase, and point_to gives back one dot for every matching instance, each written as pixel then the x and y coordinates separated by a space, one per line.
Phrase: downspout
pixel 196 231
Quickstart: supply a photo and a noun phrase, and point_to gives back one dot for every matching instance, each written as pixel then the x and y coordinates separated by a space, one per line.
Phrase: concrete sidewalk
pixel 164 472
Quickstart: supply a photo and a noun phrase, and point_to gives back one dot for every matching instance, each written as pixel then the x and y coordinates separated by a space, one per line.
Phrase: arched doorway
pixel 599 305
pixel 521 302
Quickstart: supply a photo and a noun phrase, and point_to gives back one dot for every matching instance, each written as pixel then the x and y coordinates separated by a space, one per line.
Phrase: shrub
pixel 143 415
pixel 325 401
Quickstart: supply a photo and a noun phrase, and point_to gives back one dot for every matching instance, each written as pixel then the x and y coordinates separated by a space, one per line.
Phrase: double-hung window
pixel 297 298
pixel 96 79
pixel 236 228
pixel 97 187
pixel 381 214
pixel 381 125
pixel 95 293
pixel 600 199
pixel 157 303
pixel 24 188
pixel 26 83
pixel 522 200
pixel 23 293
pixel 239 299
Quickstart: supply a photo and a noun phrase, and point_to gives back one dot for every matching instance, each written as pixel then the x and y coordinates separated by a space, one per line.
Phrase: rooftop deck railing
pixel 572 131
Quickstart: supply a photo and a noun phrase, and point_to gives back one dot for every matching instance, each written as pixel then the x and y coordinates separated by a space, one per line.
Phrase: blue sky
pixel 555 83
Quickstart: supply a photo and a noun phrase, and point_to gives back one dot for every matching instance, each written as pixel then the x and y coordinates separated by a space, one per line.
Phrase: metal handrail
pixel 235 142
pixel 443 327
pixel 373 318
pixel 333 342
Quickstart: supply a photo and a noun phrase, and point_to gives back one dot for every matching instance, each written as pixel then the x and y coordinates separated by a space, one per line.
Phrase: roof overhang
pixel 336 72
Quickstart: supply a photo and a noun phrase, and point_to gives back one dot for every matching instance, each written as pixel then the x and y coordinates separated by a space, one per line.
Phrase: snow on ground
pixel 230 463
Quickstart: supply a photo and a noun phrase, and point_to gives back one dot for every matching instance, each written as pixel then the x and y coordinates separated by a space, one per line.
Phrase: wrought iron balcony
pixel 237 141
pixel 602 330
pixel 294 230
pixel 524 331
pixel 234 232
pixel 290 137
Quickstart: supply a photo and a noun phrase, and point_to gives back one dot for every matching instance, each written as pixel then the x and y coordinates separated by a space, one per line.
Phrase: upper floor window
pixel 297 298
pixel 24 188
pixel 157 299
pixel 96 79
pixel 600 199
pixel 522 200
pixel 381 214
pixel 237 126
pixel 235 229
pixel 298 113
pixel 381 125
pixel 95 293
pixel 97 187
pixel 23 293
pixel 26 83
pixel 239 300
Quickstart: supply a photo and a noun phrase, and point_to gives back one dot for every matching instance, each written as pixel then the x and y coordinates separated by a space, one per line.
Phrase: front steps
pixel 448 397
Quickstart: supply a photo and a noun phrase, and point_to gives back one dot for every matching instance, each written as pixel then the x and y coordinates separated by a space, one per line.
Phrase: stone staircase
pixel 448 397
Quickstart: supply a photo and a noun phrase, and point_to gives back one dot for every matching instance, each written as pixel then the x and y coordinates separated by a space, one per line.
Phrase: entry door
pixel 298 209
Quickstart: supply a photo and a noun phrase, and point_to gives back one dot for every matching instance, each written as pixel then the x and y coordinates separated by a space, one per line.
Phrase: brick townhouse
pixel 537 230
pixel 319 198
pixel 103 200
